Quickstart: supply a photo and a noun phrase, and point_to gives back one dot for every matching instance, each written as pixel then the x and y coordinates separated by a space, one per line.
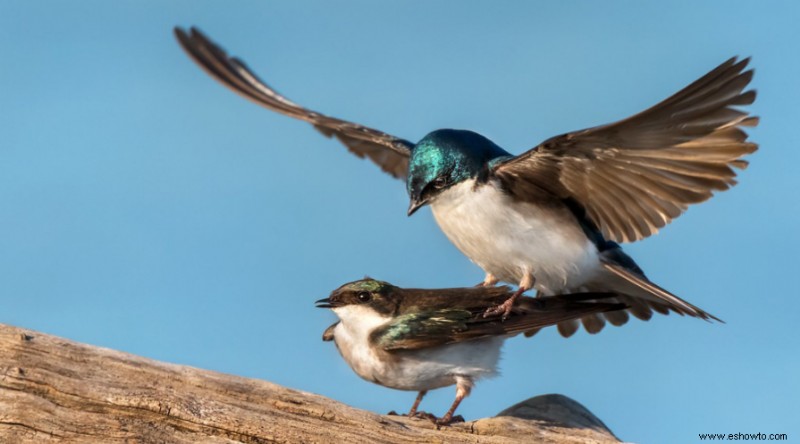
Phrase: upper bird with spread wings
pixel 550 218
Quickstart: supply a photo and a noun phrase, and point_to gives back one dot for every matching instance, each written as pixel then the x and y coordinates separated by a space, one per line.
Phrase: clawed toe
pixel 417 415
pixel 503 309
pixel 493 311
pixel 447 420
pixel 425 415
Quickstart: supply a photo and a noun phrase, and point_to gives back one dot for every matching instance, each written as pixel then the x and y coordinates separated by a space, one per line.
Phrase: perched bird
pixel 417 339
pixel 550 219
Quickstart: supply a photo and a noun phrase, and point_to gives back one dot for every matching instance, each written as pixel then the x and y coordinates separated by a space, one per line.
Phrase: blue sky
pixel 145 208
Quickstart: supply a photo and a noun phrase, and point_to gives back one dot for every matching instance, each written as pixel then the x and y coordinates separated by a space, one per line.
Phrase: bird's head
pixel 445 158
pixel 365 298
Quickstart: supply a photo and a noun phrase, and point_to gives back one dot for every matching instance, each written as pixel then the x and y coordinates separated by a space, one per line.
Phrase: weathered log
pixel 56 390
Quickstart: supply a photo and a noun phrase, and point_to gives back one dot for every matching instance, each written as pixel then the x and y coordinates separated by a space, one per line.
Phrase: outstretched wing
pixel 634 176
pixel 449 325
pixel 388 152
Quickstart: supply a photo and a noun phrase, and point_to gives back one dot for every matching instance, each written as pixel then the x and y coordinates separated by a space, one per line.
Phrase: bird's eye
pixel 364 296
pixel 439 182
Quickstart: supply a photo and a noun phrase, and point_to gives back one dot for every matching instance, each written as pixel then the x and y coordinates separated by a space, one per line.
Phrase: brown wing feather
pixel 388 152
pixel 447 325
pixel 636 175
pixel 536 313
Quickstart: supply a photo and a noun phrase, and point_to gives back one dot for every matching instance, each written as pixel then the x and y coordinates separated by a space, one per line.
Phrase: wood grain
pixel 56 390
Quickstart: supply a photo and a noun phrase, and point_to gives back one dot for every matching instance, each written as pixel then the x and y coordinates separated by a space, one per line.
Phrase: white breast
pixel 417 370
pixel 509 238
pixel 351 336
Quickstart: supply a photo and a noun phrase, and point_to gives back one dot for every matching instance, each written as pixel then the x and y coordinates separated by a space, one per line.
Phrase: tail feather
pixel 532 332
pixel 593 323
pixel 617 318
pixel 633 289
pixel 568 328
pixel 661 309
pixel 654 296
pixel 638 308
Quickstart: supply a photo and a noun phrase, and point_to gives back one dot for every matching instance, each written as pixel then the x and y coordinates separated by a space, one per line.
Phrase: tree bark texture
pixel 56 390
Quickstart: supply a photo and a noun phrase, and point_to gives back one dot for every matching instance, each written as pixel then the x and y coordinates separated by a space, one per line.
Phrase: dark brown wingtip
pixel 740 64
pixel 187 38
pixel 188 42
pixel 197 35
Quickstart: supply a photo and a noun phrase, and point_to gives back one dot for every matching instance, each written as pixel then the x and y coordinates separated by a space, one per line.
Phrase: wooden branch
pixel 55 390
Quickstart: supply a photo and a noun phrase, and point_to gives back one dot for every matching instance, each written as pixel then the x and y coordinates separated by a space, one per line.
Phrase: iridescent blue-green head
pixel 445 158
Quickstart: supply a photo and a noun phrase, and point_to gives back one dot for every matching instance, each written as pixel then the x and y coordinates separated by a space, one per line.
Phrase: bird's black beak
pixel 324 303
pixel 415 204
pixel 332 301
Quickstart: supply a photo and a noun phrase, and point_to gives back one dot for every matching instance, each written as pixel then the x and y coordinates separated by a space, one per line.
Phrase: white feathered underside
pixel 510 239
pixel 424 369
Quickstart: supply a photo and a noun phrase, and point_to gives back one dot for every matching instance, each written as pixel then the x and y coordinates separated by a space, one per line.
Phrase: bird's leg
pixel 463 388
pixel 413 410
pixel 488 281
pixel 505 308
pixel 413 413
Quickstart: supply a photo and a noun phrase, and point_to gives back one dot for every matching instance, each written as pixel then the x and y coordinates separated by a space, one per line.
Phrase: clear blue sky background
pixel 144 207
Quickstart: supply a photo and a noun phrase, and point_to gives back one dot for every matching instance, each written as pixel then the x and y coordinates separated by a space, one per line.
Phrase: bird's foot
pixel 447 420
pixel 503 309
pixel 417 414
pixel 424 415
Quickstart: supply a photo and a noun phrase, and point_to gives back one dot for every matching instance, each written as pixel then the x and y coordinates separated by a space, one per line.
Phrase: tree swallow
pixel 550 218
pixel 417 339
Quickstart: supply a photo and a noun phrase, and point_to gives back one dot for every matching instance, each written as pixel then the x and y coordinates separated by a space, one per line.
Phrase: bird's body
pixel 417 370
pixel 513 240
pixel 539 241
pixel 551 218
pixel 422 339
